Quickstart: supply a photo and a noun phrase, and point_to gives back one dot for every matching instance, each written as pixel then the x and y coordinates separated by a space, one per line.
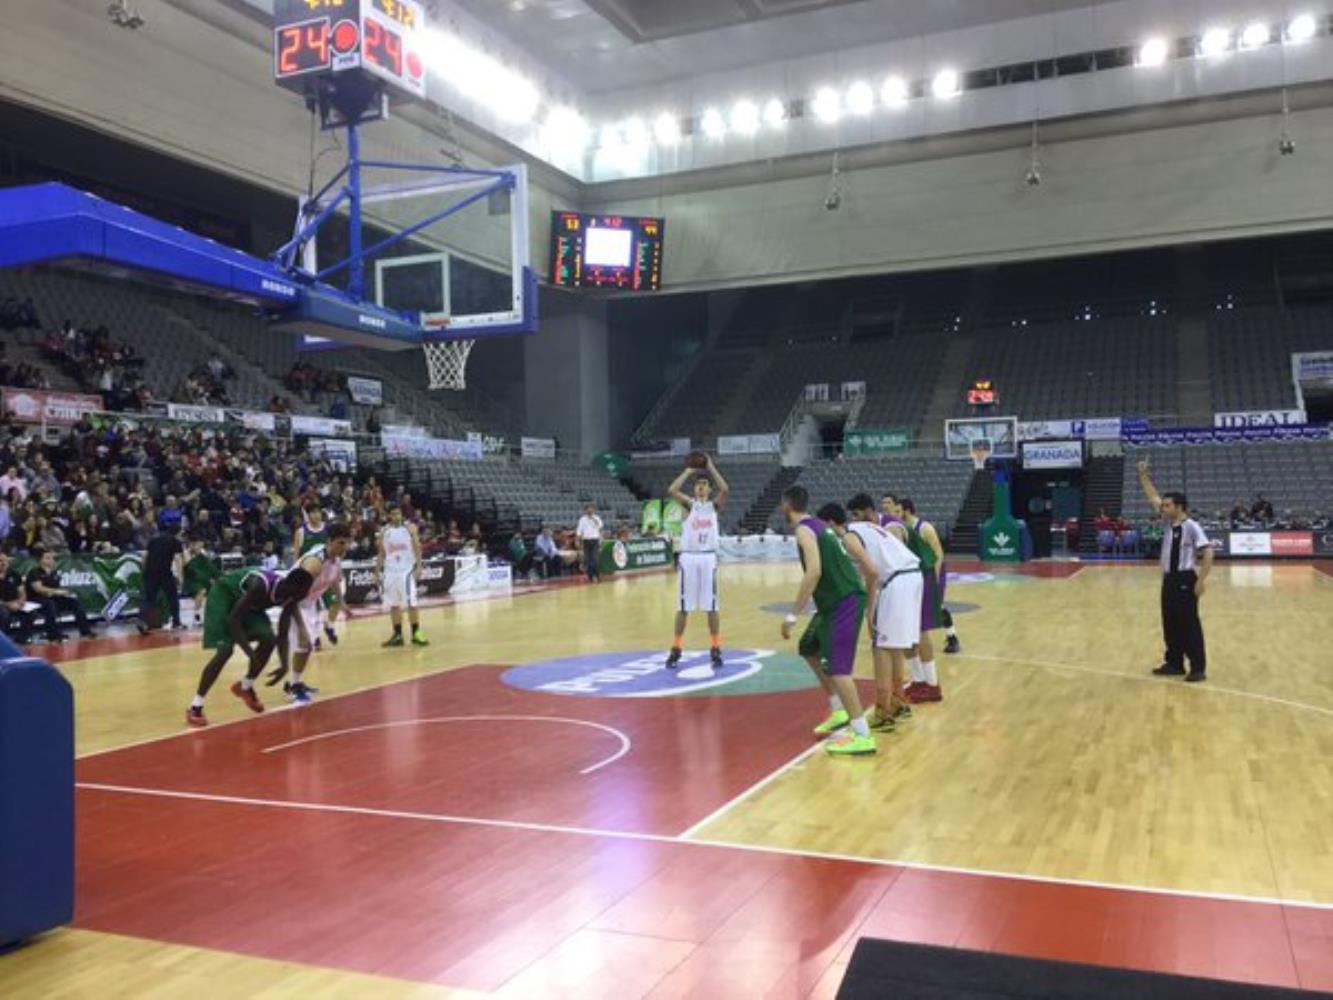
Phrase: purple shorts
pixel 932 598
pixel 833 636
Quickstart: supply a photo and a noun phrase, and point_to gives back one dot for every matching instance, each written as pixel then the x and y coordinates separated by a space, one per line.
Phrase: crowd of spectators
pixel 99 363
pixel 309 381
pixel 16 315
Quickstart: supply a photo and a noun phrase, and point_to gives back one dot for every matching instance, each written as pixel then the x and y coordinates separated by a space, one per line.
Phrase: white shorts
pixel 698 581
pixel 400 589
pixel 309 610
pixel 897 615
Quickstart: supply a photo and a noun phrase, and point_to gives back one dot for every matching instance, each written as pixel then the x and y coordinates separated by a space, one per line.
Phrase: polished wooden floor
pixel 1055 756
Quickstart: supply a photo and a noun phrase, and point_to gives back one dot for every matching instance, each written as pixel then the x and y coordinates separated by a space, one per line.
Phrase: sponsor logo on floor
pixel 642 673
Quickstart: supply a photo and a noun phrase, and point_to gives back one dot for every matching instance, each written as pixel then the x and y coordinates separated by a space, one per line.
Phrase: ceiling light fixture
pixel 1153 52
pixel 946 84
pixel 745 117
pixel 828 105
pixel 713 124
pixel 894 92
pixel 860 98
pixel 1301 29
pixel 775 113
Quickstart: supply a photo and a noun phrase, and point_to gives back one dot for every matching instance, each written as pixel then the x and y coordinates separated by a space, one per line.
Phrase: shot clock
pixel 347 42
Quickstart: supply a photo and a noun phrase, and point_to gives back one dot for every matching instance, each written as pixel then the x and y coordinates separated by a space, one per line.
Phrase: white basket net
pixel 446 363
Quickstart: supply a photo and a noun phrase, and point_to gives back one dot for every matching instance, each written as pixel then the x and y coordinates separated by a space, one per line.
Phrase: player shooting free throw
pixel 697 570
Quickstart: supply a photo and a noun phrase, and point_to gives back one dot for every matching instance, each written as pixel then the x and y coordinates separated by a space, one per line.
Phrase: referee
pixel 1187 559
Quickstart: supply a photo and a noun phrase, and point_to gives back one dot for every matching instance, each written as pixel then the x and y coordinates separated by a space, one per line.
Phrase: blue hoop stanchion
pixel 36 796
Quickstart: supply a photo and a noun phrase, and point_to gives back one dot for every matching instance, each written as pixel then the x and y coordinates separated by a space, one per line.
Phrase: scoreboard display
pixel 333 38
pixel 982 392
pixel 606 251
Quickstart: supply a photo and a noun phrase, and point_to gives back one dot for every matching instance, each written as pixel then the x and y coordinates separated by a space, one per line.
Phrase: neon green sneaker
pixel 419 640
pixel 851 745
pixel 833 723
pixel 880 720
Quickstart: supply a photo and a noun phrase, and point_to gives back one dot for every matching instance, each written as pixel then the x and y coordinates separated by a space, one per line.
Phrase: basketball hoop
pixel 446 363
pixel 980 450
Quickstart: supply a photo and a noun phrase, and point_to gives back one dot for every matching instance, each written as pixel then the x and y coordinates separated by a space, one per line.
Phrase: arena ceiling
pixel 604 45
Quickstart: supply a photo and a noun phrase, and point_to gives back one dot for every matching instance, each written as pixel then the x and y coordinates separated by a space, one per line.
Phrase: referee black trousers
pixel 592 547
pixel 1181 628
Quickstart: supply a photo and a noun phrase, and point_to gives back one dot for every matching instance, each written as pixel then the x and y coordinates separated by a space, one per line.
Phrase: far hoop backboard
pixel 964 438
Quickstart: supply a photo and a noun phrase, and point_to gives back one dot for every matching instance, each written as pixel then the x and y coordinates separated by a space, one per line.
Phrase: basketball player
pixel 924 542
pixel 327 582
pixel 892 515
pixel 312 533
pixel 236 614
pixel 829 641
pixel 399 567
pixel 895 620
pixel 697 566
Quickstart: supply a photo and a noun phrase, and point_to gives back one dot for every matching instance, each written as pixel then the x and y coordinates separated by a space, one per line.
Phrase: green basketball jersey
pixel 311 537
pixel 919 546
pixel 838 575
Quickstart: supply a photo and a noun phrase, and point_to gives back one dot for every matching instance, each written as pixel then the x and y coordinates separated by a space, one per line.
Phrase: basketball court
pixel 525 809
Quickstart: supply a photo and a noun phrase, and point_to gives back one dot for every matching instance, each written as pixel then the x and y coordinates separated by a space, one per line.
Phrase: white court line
pixel 625 743
pixel 658 838
pixel 1205 687
pixel 727 806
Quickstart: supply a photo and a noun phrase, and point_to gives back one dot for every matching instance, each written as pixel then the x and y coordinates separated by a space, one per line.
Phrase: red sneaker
pixel 910 689
pixel 922 693
pixel 250 698
pixel 195 717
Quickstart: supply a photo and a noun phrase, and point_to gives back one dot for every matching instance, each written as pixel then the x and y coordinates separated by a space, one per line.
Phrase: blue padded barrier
pixel 36 796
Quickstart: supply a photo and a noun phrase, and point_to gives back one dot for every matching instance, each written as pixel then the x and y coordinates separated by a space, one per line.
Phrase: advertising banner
pixel 37 406
pixel 196 414
pixel 816 392
pixel 1099 429
pixel 537 447
pixel 1250 543
pixel 1045 430
pixel 368 391
pixel 326 426
pixel 757 548
pixel 491 444
pixel 852 391
pixel 871 441
pixel 672 518
pixel 635 554
pixel 1323 542
pixel 748 444
pixel 341 452
pixel 1174 436
pixel 432 448
pixel 403 431
pixel 1259 418
pixel 259 421
pixel 651 521
pixel 1053 455
pixel 361 584
pixel 1313 366
pixel 662 449
pixel 1292 543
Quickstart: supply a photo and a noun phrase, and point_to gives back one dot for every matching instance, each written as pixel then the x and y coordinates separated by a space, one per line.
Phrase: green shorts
pixel 216 633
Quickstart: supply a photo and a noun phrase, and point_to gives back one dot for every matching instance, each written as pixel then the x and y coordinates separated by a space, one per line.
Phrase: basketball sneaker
pixel 250 697
pixel 195 717
pixel 673 658
pixel 851 745
pixel 952 645
pixel 393 640
pixel 925 693
pixel 1194 676
pixel 833 723
pixel 419 640
pixel 715 657
pixel 903 713
pixel 299 693
pixel 1166 670
pixel 333 636
pixel 880 720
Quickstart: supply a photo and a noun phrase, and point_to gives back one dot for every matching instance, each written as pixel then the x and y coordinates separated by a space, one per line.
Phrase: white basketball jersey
pixel 698 533
pixel 329 573
pixel 398 554
pixel 887 554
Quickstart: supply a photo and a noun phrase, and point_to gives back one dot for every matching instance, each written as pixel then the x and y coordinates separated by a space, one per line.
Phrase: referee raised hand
pixel 1187 559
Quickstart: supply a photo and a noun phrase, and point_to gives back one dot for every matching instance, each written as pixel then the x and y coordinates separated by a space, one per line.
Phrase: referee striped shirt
pixel 1181 544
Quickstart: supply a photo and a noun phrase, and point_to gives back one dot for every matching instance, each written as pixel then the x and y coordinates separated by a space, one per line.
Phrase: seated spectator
pixel 476 539
pixel 11 481
pixel 1261 510
pixel 15 620
pixel 546 556
pixel 520 556
pixel 43 587
pixel 453 540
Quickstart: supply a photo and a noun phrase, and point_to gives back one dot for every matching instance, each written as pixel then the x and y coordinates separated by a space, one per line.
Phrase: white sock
pixel 951 632
pixel 860 727
pixel 197 701
pixel 834 703
pixel 247 684
pixel 914 665
pixel 296 676
pixel 929 674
